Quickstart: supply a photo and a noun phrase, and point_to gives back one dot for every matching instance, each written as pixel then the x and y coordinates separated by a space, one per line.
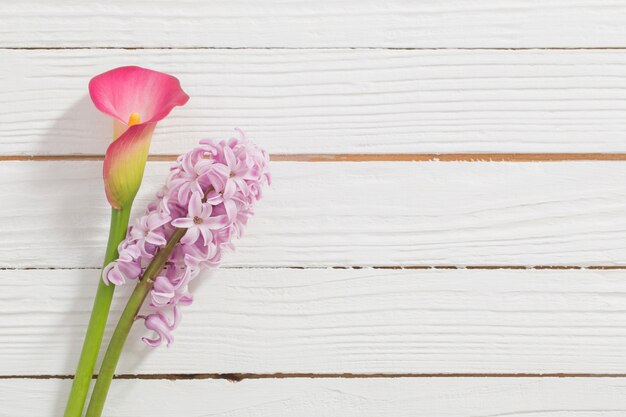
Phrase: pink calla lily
pixel 137 98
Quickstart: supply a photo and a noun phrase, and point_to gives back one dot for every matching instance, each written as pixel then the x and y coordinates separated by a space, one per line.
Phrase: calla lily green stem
pixel 97 322
pixel 112 356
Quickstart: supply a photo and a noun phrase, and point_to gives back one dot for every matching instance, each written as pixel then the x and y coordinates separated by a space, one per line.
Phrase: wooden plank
pixel 332 101
pixel 54 214
pixel 399 397
pixel 296 23
pixel 337 321
pixel 427 397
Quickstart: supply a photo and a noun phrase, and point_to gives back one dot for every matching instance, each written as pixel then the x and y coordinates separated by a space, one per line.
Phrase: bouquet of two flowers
pixel 205 203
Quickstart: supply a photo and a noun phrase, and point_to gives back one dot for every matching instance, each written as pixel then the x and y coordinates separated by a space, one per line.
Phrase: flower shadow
pixel 81 130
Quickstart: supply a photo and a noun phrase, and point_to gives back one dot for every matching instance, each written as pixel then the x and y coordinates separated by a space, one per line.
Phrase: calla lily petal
pixel 124 164
pixel 137 98
pixel 125 91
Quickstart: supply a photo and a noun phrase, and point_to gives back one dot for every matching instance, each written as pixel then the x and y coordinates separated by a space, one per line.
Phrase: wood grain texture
pixel 332 101
pixel 477 397
pixel 337 321
pixel 301 23
pixel 54 214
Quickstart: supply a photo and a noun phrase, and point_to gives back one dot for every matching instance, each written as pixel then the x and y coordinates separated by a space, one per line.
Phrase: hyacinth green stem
pixel 98 319
pixel 112 356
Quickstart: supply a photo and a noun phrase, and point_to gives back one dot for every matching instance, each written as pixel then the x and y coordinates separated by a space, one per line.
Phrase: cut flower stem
pixel 98 319
pixel 112 356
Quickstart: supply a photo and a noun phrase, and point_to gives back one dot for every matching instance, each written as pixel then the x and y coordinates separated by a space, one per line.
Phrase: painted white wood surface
pixel 349 214
pixel 338 321
pixel 304 23
pixel 295 82
pixel 399 397
pixel 332 101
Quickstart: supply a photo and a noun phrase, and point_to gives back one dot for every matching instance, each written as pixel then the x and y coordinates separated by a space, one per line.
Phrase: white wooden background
pixel 392 270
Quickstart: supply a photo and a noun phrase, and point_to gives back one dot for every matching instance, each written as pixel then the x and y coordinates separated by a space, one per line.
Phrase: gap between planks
pixel 420 157
pixel 237 377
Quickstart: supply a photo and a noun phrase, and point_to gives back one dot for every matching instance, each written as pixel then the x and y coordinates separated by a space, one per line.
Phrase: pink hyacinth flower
pixel 209 192
pixel 137 98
